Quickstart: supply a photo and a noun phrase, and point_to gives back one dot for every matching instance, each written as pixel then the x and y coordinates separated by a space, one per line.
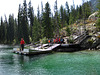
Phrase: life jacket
pixel 49 41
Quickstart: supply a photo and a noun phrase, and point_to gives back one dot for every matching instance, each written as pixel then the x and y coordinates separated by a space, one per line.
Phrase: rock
pixel 93 17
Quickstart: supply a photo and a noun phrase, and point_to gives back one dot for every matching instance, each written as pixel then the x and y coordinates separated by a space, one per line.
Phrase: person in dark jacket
pixel 22 44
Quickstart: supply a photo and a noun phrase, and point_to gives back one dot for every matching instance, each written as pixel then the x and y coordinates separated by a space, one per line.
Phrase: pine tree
pixel 20 32
pixel 65 18
pixel 80 12
pixel 38 14
pixel 42 9
pixel 83 10
pixel 15 31
pixel 31 17
pixel 62 15
pixel 47 26
pixel 8 33
pixel 11 28
pixel 72 14
pixel 77 9
pixel 86 9
pixel 2 31
pixel 36 34
pixel 56 26
pixel 68 12
pixel 41 20
pixel 67 7
pixel 25 26
pixel 5 24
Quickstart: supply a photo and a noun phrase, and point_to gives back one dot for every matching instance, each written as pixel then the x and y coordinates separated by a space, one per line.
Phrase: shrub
pixel 90 41
pixel 70 40
pixel 98 23
pixel 44 40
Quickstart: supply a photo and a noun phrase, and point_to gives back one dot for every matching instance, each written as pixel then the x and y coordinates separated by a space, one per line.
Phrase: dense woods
pixel 33 27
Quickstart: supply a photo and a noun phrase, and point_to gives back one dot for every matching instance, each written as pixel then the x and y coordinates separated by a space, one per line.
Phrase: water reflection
pixel 78 63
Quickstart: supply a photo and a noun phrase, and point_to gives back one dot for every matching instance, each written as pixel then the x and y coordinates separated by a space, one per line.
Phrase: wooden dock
pixel 42 49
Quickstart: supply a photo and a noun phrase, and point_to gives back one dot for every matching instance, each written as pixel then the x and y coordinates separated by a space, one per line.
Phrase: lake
pixel 57 63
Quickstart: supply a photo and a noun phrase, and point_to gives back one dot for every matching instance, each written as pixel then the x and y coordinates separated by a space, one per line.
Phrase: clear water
pixel 77 63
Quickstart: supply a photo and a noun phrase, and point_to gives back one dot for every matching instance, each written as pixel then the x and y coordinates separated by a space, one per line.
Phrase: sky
pixel 11 6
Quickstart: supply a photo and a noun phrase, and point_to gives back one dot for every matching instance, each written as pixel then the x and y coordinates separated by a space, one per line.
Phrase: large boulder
pixel 93 16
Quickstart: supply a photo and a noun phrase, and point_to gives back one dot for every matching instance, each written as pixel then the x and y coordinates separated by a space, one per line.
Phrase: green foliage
pixel 71 19
pixel 68 30
pixel 62 15
pixel 44 40
pixel 90 41
pixel 83 11
pixel 67 13
pixel 23 27
pixel 36 33
pixel 47 24
pixel 70 40
pixel 98 24
pixel 31 17
pixel 2 31
pixel 11 28
pixel 20 33
pixel 98 21
pixel 8 30
pixel 98 6
pixel 72 15
pixel 14 41
pixel 86 9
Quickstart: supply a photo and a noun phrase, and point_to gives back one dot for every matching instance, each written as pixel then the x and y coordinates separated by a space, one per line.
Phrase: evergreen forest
pixel 45 24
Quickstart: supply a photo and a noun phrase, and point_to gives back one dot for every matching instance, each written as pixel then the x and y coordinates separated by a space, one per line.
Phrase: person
pixel 41 44
pixel 49 41
pixel 59 40
pixel 22 44
pixel 62 40
pixel 54 40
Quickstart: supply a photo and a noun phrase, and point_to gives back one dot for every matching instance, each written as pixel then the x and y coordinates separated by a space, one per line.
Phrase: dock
pixel 42 49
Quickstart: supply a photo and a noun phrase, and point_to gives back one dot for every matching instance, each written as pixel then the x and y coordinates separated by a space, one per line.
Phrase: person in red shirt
pixel 22 44
pixel 59 40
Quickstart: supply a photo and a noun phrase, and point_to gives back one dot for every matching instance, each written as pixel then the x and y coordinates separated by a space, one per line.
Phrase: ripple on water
pixel 77 63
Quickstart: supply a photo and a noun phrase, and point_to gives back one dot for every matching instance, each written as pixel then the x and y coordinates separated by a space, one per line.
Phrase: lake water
pixel 77 63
